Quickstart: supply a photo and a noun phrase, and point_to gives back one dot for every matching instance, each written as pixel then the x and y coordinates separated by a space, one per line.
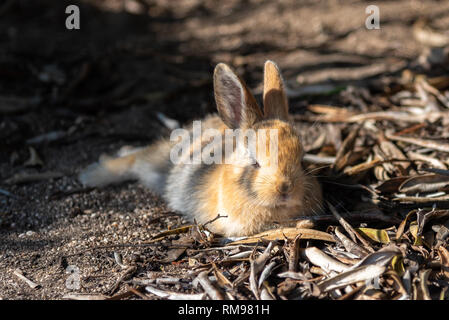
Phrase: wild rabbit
pixel 251 189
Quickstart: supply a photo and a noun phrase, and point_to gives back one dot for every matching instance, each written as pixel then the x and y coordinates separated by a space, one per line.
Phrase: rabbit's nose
pixel 285 188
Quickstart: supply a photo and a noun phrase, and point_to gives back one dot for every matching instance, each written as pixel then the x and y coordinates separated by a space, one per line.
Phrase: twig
pixel 440 146
pixel 30 283
pixel 208 287
pixel 60 194
pixel 124 276
pixel 312 158
pixel 33 177
pixel 170 295
pixel 88 296
pixel 355 215
pixel 293 257
pixel 351 246
pixel 137 293
pixel 214 219
pixel 8 194
pixel 423 279
pixel 349 229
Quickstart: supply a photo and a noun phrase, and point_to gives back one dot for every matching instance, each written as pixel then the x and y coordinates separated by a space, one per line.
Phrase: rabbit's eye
pixel 256 164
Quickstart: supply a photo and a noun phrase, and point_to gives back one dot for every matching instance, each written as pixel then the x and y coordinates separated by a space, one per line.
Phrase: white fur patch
pixel 96 175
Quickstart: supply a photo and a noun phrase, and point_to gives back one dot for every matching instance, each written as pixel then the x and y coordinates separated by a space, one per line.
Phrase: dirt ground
pixel 100 87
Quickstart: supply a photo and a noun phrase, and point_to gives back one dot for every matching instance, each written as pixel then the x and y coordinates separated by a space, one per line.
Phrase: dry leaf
pixel 424 183
pixel 414 232
pixel 289 233
pixel 362 273
pixel 378 235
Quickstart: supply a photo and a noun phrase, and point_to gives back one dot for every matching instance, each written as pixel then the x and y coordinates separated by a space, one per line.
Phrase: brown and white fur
pixel 252 194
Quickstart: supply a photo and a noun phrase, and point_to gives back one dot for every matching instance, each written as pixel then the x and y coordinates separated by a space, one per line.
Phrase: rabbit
pixel 251 194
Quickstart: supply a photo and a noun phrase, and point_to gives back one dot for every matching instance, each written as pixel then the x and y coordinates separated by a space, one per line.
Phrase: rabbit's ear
pixel 275 103
pixel 235 103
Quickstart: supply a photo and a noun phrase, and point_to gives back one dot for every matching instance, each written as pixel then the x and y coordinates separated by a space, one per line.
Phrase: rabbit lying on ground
pixel 253 190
